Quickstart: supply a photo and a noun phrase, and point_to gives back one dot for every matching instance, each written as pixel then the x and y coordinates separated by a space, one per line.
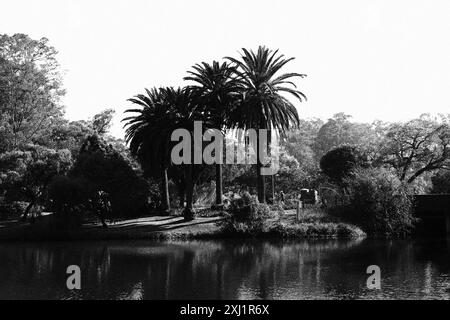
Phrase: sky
pixel 386 60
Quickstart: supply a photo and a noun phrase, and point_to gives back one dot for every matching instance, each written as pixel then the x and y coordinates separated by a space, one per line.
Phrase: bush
pixel 71 199
pixel 12 210
pixel 247 216
pixel 290 202
pixel 378 202
pixel 316 230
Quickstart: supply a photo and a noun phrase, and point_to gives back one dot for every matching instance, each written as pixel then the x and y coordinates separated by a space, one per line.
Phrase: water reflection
pixel 226 270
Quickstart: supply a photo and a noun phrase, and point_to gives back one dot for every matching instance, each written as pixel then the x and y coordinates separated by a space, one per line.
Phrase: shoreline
pixel 166 228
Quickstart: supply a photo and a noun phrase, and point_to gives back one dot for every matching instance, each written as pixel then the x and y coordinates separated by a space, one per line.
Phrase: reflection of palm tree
pixel 263 106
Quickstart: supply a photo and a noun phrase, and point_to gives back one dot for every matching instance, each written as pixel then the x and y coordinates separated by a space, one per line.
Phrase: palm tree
pixel 149 132
pixel 185 109
pixel 148 135
pixel 263 106
pixel 218 88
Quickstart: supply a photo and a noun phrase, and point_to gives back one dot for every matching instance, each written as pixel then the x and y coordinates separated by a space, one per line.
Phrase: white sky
pixel 387 60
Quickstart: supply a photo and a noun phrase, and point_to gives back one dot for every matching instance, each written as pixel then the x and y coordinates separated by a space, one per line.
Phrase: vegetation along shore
pixel 62 180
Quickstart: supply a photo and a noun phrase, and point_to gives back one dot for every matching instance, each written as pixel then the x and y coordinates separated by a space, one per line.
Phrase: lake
pixel 232 269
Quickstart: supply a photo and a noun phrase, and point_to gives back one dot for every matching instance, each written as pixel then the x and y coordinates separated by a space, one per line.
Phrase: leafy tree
pixel 72 197
pixel 101 122
pixel 113 176
pixel 300 142
pixel 263 106
pixel 66 134
pixel 377 201
pixel 416 147
pixel 338 131
pixel 25 175
pixel 338 163
pixel 30 89
pixel 290 178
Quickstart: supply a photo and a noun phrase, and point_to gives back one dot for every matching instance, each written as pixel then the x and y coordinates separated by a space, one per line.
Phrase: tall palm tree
pixel 263 105
pixel 148 135
pixel 185 110
pixel 218 89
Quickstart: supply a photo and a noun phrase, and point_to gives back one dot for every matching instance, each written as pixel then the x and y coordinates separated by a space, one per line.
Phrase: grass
pixel 313 224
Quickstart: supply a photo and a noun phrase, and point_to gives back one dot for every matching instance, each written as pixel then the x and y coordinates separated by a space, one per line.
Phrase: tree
pixel 377 201
pixel 30 89
pixel 66 134
pixel 148 134
pixel 25 175
pixel 73 197
pixel 339 130
pixel 290 178
pixel 185 110
pixel 101 122
pixel 112 177
pixel 218 89
pixel 262 105
pixel 338 163
pixel 416 147
pixel 300 144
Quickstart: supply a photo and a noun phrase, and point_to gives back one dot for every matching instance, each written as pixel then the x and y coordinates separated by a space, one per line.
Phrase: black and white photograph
pixel 224 156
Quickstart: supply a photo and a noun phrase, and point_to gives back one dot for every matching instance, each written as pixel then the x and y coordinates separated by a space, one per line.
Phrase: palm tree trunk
pixel 188 211
pixel 181 197
pixel 269 149
pixel 273 188
pixel 260 181
pixel 165 192
pixel 219 182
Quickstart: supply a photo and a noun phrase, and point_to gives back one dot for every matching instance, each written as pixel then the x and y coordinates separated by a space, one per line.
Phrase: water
pixel 411 269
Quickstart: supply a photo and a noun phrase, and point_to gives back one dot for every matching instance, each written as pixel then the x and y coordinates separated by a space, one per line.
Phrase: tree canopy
pixel 30 89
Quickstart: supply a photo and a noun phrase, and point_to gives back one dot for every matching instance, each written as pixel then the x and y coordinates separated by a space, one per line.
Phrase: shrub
pixel 312 230
pixel 246 216
pixel 10 210
pixel 71 199
pixel 290 202
pixel 377 201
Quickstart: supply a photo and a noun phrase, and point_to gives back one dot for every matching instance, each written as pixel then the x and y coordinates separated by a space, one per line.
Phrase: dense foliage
pixel 339 162
pixel 75 168
pixel 247 217
pixel 108 172
pixel 377 201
